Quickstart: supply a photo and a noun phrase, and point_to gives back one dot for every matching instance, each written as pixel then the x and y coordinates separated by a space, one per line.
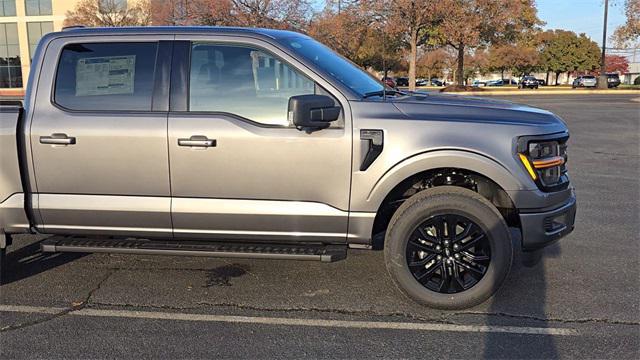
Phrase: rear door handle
pixel 197 141
pixel 58 139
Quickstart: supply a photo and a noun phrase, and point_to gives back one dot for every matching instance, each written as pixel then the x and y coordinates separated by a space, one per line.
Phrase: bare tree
pixel 109 13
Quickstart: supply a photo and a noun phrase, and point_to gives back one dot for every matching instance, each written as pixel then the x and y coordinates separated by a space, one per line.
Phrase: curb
pixel 550 92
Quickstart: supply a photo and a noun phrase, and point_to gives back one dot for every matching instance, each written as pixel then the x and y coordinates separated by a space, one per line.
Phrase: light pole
pixel 602 80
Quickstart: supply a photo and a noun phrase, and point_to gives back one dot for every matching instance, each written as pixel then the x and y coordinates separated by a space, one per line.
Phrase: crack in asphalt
pixel 74 307
pixel 284 310
pixel 444 319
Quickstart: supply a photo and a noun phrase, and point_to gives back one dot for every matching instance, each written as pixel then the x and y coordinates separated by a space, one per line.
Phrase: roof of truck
pixel 272 33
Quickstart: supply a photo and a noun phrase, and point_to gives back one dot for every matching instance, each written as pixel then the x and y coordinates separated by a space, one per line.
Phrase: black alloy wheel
pixel 448 253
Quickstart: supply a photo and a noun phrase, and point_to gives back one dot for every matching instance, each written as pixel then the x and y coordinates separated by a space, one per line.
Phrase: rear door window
pixel 106 76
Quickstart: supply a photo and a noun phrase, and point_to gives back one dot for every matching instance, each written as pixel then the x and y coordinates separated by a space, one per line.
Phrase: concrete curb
pixel 550 92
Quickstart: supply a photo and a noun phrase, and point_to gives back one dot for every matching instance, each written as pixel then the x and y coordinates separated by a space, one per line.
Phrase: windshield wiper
pixel 382 93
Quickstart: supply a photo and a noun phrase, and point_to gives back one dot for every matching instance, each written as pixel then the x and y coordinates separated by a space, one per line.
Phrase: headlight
pixel 545 159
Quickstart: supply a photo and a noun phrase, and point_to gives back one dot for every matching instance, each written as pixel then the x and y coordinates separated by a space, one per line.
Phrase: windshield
pixel 340 68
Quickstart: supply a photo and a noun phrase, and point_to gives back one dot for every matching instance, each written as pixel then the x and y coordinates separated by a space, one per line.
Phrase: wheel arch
pixel 446 167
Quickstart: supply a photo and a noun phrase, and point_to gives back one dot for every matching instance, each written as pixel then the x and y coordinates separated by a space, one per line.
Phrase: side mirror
pixel 312 112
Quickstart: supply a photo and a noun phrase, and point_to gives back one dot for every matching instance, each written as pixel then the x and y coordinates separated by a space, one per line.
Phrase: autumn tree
pixel 470 23
pixel 616 64
pixel 417 22
pixel 278 14
pixel 109 13
pixel 357 32
pixel 629 32
pixel 518 58
pixel 432 63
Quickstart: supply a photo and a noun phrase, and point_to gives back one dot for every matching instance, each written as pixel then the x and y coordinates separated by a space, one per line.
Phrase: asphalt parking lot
pixel 581 301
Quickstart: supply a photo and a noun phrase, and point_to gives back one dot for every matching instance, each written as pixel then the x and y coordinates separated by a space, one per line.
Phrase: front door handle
pixel 58 139
pixel 197 141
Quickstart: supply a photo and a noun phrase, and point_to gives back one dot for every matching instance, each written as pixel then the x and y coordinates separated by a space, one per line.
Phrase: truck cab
pixel 235 142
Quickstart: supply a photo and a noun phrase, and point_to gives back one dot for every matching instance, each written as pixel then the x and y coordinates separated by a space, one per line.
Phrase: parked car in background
pixel 402 81
pixel 478 83
pixel 541 82
pixel 499 82
pixel 529 82
pixel 436 82
pixel 613 80
pixel 389 82
pixel 585 81
pixel 422 82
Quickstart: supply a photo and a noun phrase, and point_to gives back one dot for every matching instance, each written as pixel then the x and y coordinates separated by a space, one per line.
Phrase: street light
pixel 602 80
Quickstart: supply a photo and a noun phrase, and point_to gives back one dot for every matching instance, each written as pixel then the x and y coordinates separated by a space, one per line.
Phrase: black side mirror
pixel 312 112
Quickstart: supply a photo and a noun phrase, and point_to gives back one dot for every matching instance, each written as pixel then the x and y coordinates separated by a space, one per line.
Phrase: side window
pixel 243 81
pixel 106 76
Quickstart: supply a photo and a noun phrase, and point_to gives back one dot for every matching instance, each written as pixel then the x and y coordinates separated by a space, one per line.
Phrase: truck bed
pixel 12 199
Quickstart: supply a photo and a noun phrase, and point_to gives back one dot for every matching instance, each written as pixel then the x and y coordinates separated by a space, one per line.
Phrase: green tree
pixel 564 51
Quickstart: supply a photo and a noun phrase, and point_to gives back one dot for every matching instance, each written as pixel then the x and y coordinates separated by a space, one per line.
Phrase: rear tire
pixel 404 236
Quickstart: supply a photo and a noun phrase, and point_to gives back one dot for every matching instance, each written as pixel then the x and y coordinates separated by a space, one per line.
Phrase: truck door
pixel 239 169
pixel 99 136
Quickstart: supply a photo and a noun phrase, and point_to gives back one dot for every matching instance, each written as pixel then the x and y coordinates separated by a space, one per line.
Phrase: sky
pixel 582 16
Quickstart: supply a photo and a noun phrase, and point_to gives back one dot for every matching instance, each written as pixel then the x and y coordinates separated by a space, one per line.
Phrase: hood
pixel 447 107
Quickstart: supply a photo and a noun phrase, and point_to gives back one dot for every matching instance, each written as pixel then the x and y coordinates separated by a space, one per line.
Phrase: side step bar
pixel 317 252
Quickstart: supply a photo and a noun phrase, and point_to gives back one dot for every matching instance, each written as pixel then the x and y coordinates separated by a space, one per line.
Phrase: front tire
pixel 448 248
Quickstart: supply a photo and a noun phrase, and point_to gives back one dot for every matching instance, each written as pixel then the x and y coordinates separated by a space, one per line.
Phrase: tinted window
pixel 338 67
pixel 10 64
pixel 38 7
pixel 35 31
pixel 106 76
pixel 7 7
pixel 243 81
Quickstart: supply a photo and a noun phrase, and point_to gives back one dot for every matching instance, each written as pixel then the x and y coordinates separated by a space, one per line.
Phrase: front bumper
pixel 540 229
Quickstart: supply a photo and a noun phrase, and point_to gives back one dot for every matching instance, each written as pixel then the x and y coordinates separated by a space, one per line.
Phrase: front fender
pixel 439 159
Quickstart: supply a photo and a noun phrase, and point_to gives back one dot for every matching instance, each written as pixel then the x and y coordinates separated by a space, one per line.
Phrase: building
pixel 22 24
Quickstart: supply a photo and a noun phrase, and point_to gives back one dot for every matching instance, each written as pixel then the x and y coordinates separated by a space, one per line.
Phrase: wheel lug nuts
pixel 446 242
pixel 455 246
pixel 457 256
pixel 439 257
pixel 438 247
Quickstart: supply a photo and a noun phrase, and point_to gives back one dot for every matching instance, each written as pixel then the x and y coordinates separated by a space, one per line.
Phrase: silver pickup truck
pixel 259 143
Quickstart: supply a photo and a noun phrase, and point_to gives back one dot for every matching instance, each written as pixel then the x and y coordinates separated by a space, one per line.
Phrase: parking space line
pixel 282 321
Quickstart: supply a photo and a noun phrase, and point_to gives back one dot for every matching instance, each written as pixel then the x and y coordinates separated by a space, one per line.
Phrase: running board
pixel 317 252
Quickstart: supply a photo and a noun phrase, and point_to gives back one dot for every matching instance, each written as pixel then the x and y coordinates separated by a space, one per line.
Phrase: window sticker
pixel 107 75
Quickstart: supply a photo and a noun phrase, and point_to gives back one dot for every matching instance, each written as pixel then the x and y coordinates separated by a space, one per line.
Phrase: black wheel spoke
pixel 445 261
pixel 457 276
pixel 473 241
pixel 473 267
pixel 427 272
pixel 466 232
pixel 439 226
pixel 422 262
pixel 424 247
pixel 452 224
pixel 474 257
pixel 446 279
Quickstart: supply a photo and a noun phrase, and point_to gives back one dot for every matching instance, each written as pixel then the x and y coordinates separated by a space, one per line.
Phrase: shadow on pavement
pixel 29 261
pixel 531 279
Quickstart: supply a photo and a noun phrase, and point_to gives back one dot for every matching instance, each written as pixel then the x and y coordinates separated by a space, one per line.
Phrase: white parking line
pixel 386 325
